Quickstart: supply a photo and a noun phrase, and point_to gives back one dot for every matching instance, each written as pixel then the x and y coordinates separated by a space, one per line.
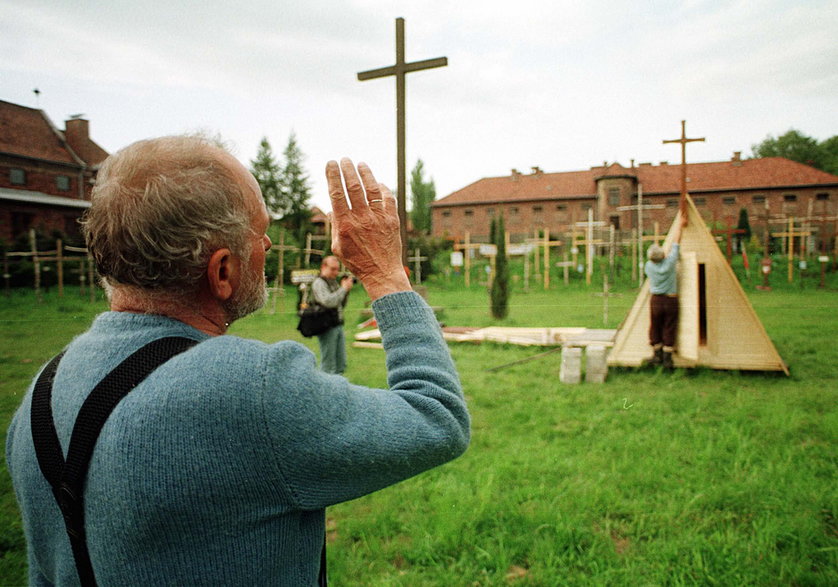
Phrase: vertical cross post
pixel 399 70
pixel 683 140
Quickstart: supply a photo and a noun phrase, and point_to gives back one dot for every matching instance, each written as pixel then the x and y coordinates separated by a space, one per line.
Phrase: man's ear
pixel 223 274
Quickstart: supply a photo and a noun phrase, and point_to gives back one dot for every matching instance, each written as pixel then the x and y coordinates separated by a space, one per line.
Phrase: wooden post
pixel 91 286
pixel 59 257
pixel 399 70
pixel 6 275
pixel 417 266
pixel 683 140
pixel 36 263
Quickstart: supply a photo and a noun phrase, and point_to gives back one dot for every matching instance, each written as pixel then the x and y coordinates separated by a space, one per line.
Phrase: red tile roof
pixel 28 132
pixel 771 172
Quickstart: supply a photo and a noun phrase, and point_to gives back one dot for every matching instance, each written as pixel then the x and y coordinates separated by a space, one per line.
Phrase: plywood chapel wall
pixel 735 337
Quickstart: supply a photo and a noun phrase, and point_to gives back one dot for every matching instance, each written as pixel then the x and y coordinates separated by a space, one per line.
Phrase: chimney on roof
pixel 536 171
pixel 645 164
pixel 632 163
pixel 515 174
pixel 77 134
pixel 737 158
pixel 664 162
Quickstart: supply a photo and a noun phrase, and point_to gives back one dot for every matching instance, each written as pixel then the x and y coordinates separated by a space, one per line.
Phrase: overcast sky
pixel 563 85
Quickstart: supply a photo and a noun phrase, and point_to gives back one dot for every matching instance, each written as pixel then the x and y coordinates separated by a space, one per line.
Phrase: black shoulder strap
pixel 67 478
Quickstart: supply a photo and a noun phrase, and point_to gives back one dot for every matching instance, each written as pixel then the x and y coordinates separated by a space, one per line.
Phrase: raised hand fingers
pixel 353 185
pixel 336 193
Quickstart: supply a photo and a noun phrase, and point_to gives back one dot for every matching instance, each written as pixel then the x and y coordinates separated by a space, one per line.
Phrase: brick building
pixel 770 188
pixel 45 174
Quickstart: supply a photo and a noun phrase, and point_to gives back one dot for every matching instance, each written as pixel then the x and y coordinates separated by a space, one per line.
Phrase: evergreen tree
pixel 422 194
pixel 500 284
pixel 267 173
pixel 295 190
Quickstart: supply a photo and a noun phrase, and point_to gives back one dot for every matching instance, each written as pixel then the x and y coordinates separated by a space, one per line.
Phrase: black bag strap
pixel 67 478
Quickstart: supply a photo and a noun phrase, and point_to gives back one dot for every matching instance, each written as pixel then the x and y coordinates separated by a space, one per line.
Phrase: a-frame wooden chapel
pixel 717 326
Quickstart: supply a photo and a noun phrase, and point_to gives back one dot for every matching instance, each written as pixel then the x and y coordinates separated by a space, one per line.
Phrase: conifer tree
pixel 267 173
pixel 296 192
pixel 500 283
pixel 422 194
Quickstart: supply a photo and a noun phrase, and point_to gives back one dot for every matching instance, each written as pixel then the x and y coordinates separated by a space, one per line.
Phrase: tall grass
pixel 694 477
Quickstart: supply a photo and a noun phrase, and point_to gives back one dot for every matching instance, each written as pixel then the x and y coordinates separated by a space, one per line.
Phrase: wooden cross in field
pixel 639 207
pixel 466 248
pixel 729 231
pixel 790 234
pixel 589 241
pixel 279 282
pixel 399 70
pixel 683 140
pixel 546 244
pixel 605 294
pixel 417 266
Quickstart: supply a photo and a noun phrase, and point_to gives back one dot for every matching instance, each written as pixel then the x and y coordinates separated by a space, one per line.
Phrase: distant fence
pixel 62 256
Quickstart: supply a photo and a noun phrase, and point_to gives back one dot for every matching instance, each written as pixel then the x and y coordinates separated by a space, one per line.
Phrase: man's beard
pixel 252 295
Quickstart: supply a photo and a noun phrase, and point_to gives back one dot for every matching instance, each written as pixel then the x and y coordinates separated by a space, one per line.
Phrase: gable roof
pixel 28 132
pixel 747 174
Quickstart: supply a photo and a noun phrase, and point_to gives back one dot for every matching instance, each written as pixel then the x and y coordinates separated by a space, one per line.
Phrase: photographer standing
pixel 326 291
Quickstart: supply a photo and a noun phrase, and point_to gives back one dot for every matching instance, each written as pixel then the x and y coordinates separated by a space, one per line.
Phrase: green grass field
pixel 690 478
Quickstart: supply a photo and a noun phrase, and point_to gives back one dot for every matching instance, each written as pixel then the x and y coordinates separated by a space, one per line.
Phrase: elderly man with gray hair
pixel 215 456
pixel 660 269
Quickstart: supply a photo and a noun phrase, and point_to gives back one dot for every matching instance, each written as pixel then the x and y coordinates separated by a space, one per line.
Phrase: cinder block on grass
pixel 571 370
pixel 596 364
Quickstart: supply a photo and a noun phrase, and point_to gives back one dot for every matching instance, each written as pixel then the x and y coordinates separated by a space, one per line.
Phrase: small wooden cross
pixel 683 140
pixel 640 207
pixel 399 70
pixel 791 233
pixel 588 242
pixel 729 231
pixel 467 247
pixel 417 271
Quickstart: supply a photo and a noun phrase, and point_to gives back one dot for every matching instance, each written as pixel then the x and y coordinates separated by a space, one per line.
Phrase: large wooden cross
pixel 399 70
pixel 683 140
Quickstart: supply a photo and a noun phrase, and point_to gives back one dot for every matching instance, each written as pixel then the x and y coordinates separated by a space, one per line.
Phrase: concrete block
pixel 596 364
pixel 571 369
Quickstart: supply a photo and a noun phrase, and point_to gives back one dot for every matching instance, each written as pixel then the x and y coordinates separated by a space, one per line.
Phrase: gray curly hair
pixel 656 253
pixel 160 208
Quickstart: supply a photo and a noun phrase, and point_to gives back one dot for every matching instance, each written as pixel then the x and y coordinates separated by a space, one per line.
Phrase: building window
pixel 561 207
pixel 490 212
pixel 446 213
pixel 789 198
pixel 758 199
pixel 513 211
pixel 728 201
pixel 17 176
pixel 672 203
pixel 469 213
pixel 699 201
pixel 822 197
pixel 536 209
pixel 613 196
pixel 587 207
pixel 62 182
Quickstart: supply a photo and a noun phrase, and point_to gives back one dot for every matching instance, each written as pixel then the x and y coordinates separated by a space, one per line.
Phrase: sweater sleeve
pixel 334 441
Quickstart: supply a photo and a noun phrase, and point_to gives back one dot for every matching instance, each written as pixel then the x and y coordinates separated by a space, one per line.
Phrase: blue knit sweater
pixel 217 468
